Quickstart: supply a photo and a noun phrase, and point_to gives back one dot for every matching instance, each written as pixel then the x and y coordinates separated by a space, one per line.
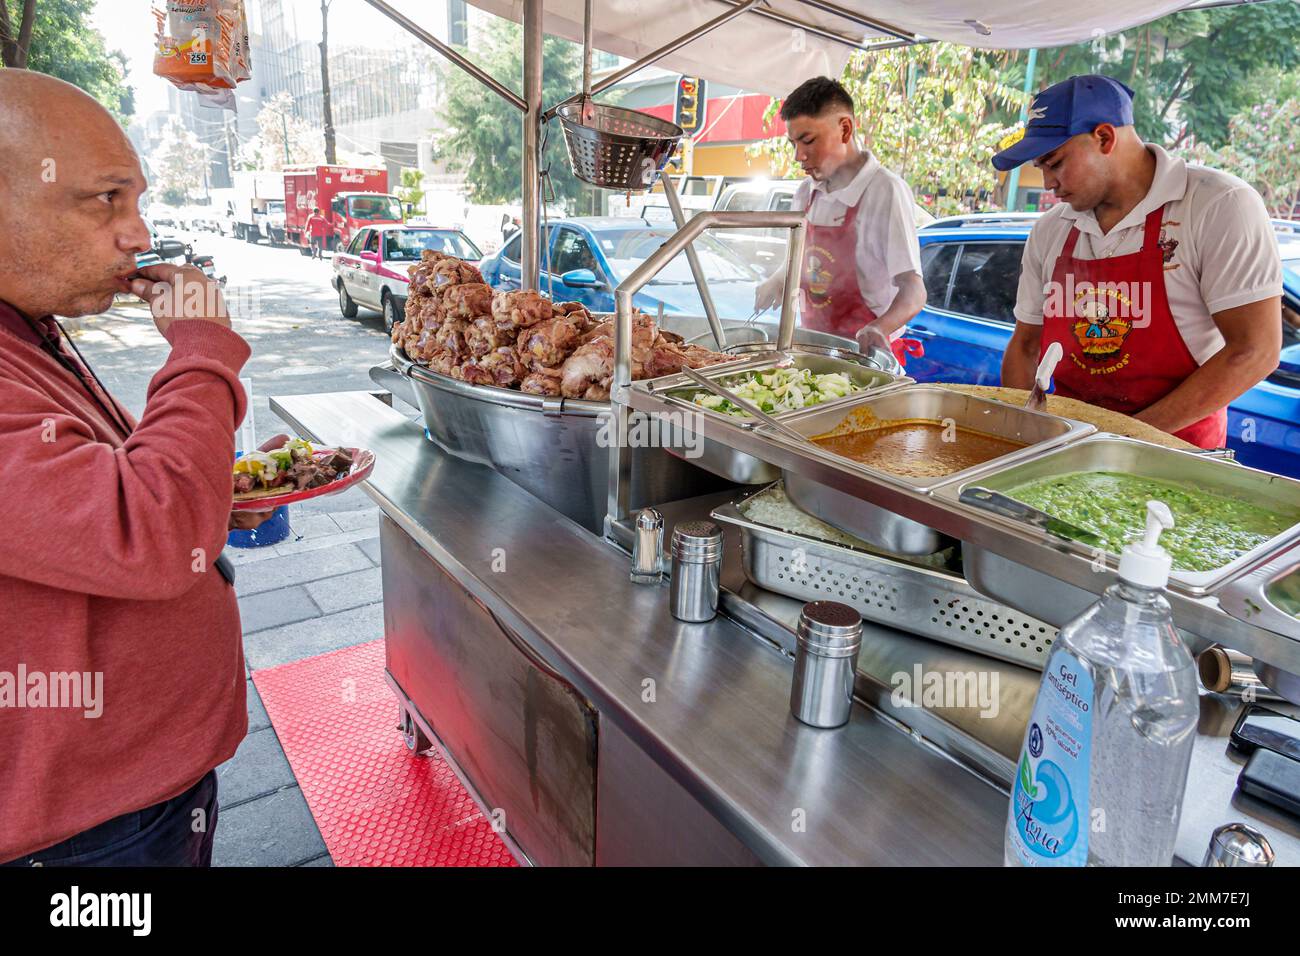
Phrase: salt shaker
pixel 825 662
pixel 648 548
pixel 1236 844
pixel 697 571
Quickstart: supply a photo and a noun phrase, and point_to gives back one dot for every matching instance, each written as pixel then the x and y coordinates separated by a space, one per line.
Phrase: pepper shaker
pixel 697 571
pixel 825 662
pixel 648 548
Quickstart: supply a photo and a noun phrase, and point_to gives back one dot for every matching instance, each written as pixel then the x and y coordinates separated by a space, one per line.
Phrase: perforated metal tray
pixel 898 592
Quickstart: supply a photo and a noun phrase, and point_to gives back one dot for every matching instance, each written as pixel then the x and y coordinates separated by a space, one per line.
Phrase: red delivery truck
pixel 350 198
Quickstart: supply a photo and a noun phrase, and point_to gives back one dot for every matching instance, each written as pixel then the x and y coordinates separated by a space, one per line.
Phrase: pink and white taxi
pixel 371 272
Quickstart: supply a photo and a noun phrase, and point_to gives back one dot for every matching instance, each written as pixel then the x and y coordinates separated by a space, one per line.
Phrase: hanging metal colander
pixel 616 148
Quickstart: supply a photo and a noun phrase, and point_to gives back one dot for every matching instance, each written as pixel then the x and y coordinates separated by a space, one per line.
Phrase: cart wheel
pixel 414 737
pixel 346 305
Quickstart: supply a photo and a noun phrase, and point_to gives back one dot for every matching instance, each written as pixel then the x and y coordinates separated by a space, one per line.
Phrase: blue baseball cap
pixel 1077 105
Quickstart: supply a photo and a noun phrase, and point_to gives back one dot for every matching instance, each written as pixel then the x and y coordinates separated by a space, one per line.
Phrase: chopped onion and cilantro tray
pixel 779 390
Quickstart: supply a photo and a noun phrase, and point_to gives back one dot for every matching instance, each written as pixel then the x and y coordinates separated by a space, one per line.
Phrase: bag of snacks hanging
pixel 202 45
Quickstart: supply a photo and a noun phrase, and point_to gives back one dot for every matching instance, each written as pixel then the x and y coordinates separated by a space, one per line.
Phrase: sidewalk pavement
pixel 316 591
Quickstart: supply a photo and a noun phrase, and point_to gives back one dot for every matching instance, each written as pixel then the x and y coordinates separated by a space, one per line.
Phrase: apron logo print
pixel 819 277
pixel 1099 327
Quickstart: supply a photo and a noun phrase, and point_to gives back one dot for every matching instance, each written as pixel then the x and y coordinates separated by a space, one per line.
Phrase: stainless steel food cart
pixel 600 730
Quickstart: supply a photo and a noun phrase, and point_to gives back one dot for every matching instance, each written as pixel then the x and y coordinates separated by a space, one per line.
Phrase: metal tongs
pixel 988 500
pixel 1037 401
pixel 748 407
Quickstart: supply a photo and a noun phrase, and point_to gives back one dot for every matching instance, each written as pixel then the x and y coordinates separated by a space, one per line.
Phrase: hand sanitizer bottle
pixel 1104 762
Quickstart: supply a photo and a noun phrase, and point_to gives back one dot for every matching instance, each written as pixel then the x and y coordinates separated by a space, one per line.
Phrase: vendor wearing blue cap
pixel 1160 279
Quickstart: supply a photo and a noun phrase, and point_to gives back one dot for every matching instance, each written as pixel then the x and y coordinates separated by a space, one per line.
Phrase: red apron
pixel 1123 350
pixel 832 301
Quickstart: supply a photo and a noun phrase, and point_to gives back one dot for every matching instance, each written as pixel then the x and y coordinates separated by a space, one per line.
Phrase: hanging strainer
pixel 616 148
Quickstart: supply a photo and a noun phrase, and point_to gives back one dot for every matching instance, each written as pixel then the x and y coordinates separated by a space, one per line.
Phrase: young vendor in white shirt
pixel 862 263
pixel 1161 280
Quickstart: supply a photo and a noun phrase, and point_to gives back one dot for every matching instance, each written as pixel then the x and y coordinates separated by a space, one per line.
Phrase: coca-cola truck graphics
pixel 349 197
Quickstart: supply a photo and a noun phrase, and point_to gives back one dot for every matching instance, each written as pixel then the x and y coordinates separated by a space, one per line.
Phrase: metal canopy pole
pixel 510 96
pixel 620 455
pixel 655 55
pixel 588 28
pixel 531 220
pixel 693 259
pixel 871 23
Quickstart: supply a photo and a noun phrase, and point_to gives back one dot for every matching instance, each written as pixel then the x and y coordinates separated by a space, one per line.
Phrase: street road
pixel 281 302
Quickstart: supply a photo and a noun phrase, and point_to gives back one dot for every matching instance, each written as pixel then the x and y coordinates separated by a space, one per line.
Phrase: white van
pixel 764 249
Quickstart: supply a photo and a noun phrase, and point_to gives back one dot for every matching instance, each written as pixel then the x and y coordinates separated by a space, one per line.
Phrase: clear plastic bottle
pixel 1104 761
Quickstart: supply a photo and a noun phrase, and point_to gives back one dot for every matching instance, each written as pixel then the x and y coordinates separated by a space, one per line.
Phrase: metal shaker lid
pixel 649 520
pixel 830 628
pixel 697 540
pixel 1236 844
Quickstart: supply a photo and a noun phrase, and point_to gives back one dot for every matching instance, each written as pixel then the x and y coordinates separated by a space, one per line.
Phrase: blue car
pixel 590 256
pixel 971 267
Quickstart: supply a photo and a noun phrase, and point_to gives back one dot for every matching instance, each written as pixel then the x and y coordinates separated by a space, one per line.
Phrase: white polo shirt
pixel 885 226
pixel 1219 248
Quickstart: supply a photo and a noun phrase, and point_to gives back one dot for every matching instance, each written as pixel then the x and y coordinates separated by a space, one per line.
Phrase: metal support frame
pixel 693 258
pixel 530 104
pixel 531 260
pixel 413 28
pixel 655 55
pixel 620 462
pixel 870 23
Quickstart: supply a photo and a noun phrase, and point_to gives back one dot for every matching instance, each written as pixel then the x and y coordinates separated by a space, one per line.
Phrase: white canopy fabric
pixel 761 54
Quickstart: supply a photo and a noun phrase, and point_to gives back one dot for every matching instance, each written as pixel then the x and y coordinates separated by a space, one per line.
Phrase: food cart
pixel 596 727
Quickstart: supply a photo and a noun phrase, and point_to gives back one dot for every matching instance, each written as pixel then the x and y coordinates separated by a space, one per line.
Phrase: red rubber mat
pixel 375 802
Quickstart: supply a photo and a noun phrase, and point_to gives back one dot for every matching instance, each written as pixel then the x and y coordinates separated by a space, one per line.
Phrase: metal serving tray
pixel 552 447
pixel 879 526
pixel 932 603
pixel 678 389
pixel 1107 452
pixel 737 466
pixel 1041 595
pixel 1269 597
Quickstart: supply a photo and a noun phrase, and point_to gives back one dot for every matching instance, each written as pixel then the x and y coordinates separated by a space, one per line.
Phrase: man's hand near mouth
pixel 179 292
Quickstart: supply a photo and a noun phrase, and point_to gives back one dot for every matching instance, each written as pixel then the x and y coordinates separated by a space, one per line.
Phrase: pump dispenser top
pixel 1144 562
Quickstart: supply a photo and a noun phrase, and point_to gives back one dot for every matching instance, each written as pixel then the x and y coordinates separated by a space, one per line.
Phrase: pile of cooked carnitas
pixel 458 326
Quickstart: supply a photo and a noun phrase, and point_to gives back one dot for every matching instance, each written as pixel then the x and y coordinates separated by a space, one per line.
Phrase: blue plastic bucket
pixel 273 530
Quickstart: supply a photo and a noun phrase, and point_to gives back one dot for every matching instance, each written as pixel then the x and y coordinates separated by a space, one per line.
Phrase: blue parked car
pixel 971 268
pixel 590 256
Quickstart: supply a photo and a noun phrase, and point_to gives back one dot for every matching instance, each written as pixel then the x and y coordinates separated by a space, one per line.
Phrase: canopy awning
pixel 783 42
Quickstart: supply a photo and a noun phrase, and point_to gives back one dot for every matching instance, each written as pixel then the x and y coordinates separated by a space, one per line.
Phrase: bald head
pixel 69 192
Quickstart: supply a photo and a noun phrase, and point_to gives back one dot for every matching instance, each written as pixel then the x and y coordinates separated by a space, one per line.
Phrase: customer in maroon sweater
pixel 121 666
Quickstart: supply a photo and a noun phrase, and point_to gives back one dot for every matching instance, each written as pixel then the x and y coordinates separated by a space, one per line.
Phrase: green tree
pixel 55 37
pixel 178 165
pixel 412 189
pixel 1191 72
pixel 482 134
pixel 1261 146
pixel 930 114
pixel 276 125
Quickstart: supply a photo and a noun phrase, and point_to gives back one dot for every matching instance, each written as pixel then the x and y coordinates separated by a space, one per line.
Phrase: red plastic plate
pixel 363 463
